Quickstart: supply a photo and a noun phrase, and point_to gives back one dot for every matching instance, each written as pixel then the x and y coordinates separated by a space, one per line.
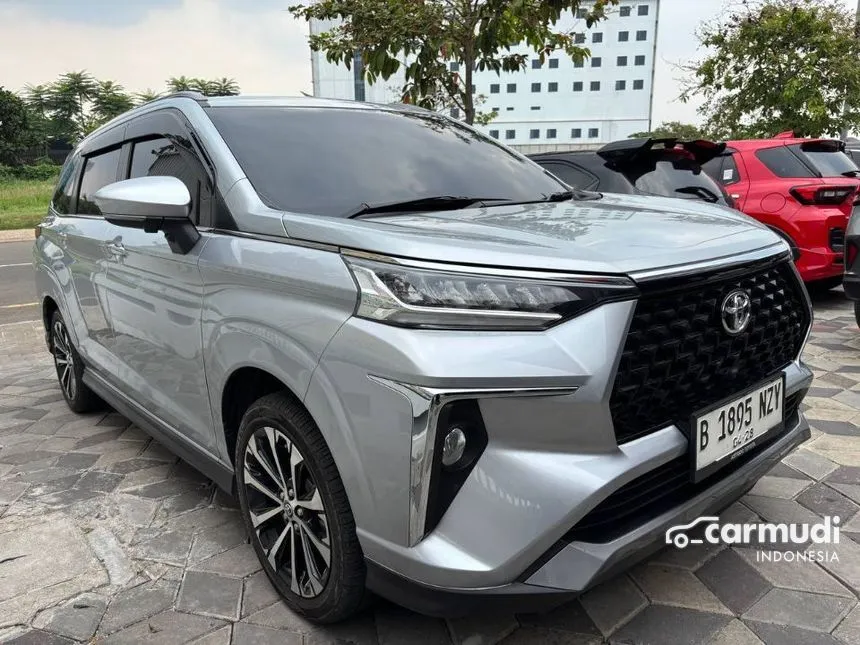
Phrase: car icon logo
pixel 736 311
pixel 677 534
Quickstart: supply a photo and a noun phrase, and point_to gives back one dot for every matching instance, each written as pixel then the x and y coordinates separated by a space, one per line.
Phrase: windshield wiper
pixel 436 203
pixel 700 191
pixel 851 173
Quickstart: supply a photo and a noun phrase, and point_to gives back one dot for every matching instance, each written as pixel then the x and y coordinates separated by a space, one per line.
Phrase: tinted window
pixel 723 170
pixel 65 191
pixel 782 162
pixel 826 158
pixel 99 170
pixel 571 175
pixel 330 161
pixel 163 158
pixel 670 174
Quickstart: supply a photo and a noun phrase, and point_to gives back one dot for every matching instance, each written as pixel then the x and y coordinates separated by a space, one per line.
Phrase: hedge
pixel 38 172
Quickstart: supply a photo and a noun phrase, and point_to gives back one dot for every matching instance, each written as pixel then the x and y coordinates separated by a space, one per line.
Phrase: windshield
pixel 331 161
pixel 671 174
pixel 827 161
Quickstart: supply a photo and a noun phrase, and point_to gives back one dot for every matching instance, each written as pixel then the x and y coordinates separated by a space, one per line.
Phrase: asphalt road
pixel 17 294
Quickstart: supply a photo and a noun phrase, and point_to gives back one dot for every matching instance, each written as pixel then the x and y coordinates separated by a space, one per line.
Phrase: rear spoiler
pixel 628 150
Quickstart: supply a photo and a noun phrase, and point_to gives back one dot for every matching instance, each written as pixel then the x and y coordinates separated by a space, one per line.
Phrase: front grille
pixel 659 490
pixel 678 358
pixel 837 240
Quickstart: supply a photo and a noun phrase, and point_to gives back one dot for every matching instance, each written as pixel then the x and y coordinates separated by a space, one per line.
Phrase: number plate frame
pixel 706 471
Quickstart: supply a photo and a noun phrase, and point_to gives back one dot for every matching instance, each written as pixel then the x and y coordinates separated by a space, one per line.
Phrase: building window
pixel 534 134
pixel 593 133
pixel 512 88
pixel 576 133
pixel 623 36
pixel 535 107
pixel 639 85
pixel 579 38
pixel 640 60
pixel 550 134
pixel 510 134
pixel 455 113
pixel 536 63
pixel 577 86
pixel 595 86
pixel 622 61
pixel 625 12
pixel 535 87
pixel 552 87
pixel 620 85
pixel 581 13
pixel 494 134
pixel 494 88
pixel 597 37
pixel 553 63
pixel 579 63
pixel 642 10
pixel 597 61
pixel 455 67
pixel 641 35
pixel 509 109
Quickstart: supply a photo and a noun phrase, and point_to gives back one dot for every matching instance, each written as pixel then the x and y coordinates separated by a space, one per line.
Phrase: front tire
pixel 296 511
pixel 70 369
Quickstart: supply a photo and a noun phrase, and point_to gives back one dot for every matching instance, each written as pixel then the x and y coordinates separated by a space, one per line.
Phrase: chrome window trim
pixel 426 404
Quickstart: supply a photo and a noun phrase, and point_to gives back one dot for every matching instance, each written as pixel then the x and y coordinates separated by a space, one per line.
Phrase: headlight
pixel 431 296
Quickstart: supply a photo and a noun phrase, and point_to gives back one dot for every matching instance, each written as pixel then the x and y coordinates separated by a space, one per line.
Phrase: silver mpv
pixel 425 366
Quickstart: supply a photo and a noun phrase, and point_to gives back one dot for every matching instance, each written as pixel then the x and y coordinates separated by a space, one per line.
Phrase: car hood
pixel 613 234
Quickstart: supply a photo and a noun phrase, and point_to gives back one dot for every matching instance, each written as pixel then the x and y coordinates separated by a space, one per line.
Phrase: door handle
pixel 735 196
pixel 115 249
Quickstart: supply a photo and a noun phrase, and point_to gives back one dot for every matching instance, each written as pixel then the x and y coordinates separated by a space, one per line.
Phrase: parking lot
pixel 106 537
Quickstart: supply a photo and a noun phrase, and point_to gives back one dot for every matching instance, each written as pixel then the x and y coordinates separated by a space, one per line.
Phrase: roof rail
pixel 189 94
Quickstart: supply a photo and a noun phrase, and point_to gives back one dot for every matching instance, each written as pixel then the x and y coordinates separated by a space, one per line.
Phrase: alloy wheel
pixel 287 513
pixel 64 360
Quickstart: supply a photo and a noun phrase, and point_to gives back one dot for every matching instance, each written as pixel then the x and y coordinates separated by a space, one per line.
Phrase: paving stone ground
pixel 106 537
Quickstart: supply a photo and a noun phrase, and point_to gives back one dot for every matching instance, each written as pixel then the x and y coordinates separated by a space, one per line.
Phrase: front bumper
pixel 568 569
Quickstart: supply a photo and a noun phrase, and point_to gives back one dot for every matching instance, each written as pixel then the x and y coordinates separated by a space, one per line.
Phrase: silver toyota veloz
pixel 425 366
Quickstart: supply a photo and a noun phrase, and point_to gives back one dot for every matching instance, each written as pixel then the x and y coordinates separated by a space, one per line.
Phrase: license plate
pixel 733 427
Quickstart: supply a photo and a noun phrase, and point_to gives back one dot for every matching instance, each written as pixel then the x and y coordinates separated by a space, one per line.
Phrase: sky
pixel 140 43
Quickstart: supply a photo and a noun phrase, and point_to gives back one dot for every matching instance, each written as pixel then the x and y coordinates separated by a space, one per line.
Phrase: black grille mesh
pixel 678 358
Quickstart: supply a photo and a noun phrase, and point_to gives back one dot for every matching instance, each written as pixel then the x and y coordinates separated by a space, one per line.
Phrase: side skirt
pixel 196 456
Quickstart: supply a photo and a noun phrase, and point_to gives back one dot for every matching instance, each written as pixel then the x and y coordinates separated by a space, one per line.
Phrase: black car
pixel 664 167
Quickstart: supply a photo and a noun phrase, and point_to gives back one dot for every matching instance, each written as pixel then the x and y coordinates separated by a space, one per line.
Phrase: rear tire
pixel 70 369
pixel 296 511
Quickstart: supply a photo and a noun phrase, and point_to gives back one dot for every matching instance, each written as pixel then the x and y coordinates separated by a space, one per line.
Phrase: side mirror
pixel 152 204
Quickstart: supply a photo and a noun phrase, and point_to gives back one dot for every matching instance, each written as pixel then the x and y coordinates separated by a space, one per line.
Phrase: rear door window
pixel 65 191
pixel 100 169
pixel 723 170
pixel 782 162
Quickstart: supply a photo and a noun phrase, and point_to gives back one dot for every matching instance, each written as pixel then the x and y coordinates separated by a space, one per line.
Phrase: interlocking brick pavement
pixel 107 537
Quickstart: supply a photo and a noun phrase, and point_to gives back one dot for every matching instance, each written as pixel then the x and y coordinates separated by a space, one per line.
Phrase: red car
pixel 804 189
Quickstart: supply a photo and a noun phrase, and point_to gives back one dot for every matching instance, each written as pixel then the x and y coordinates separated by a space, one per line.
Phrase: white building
pixel 560 104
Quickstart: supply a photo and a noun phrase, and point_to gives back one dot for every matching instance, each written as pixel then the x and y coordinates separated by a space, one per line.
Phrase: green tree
pixel 109 101
pixel 37 99
pixel 68 99
pixel 778 65
pixel 424 37
pixel 673 129
pixel 180 83
pixel 15 133
pixel 223 87
pixel 218 87
pixel 146 96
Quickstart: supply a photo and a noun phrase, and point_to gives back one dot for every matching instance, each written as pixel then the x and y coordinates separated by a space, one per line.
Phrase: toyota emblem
pixel 736 312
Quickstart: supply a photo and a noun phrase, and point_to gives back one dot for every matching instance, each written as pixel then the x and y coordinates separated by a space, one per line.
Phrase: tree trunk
pixel 468 97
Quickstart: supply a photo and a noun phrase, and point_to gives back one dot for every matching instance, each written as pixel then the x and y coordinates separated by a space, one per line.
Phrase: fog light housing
pixel 453 447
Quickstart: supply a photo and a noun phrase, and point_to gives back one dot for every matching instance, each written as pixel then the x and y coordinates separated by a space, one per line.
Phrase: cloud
pixel 140 46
